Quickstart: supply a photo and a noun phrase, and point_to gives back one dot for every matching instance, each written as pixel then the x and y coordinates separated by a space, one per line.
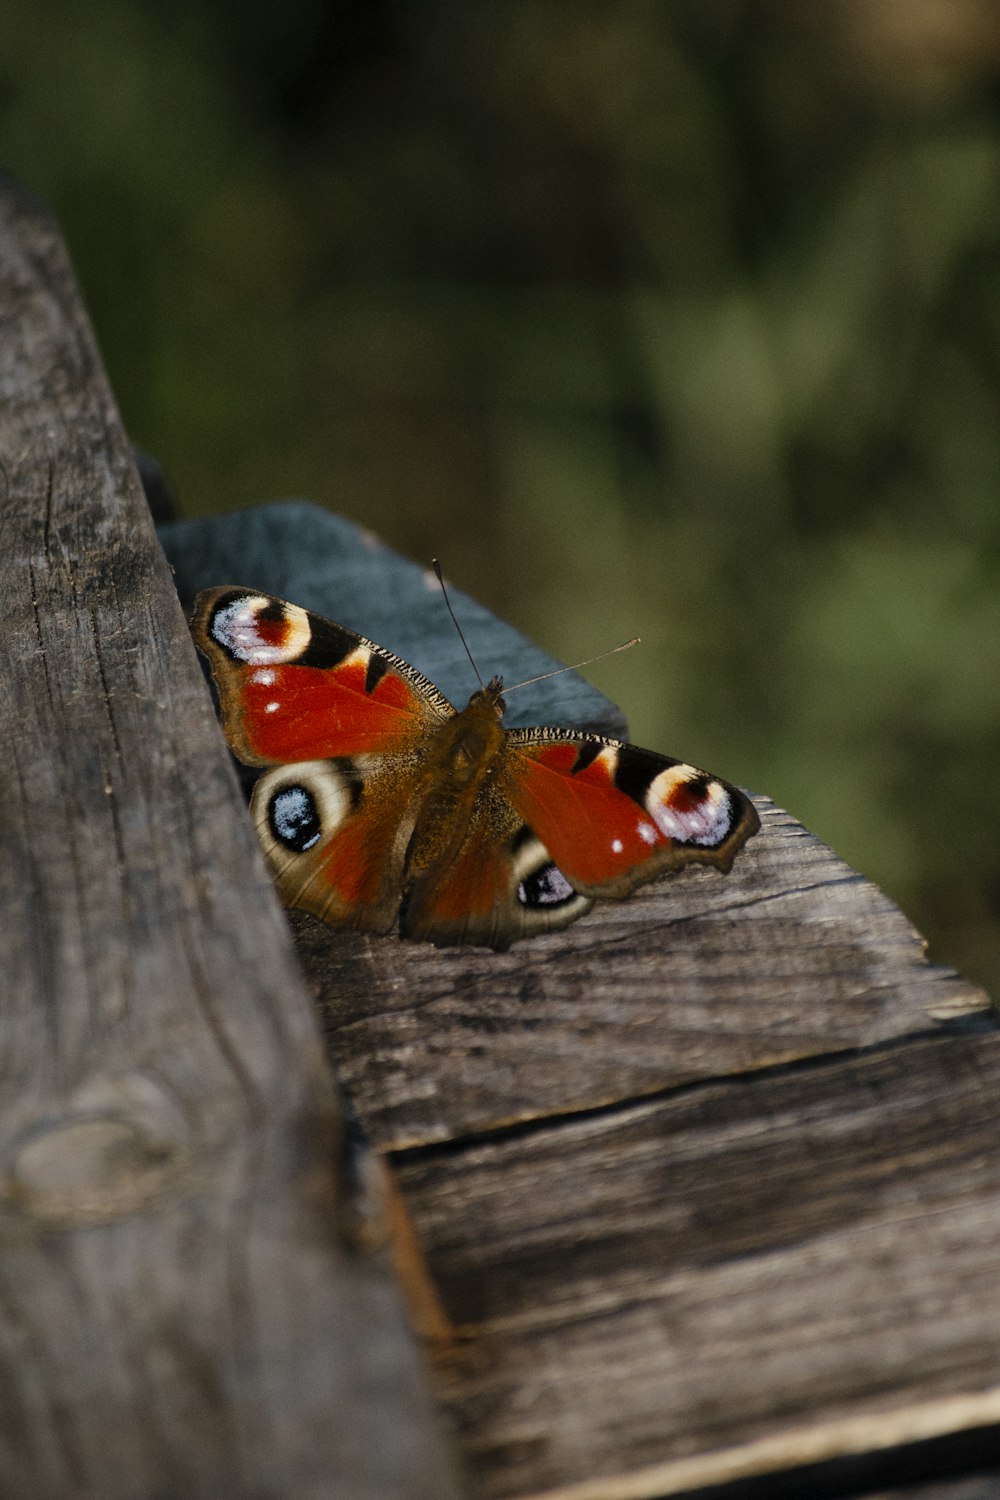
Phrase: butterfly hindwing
pixel 295 687
pixel 335 835
pixel 613 816
pixel 498 886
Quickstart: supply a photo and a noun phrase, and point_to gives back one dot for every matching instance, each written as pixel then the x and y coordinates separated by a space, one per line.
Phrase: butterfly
pixel 382 805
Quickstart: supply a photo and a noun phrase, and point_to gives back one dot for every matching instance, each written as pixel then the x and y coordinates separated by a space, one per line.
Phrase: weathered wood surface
pixel 791 955
pixel 698 1216
pixel 745 1276
pixel 183 1308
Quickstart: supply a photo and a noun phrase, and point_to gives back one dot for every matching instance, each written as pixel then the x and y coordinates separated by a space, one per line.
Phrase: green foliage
pixel 680 320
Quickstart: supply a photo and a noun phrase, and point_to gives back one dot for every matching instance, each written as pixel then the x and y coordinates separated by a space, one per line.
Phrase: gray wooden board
pixel 790 955
pixel 183 1310
pixel 325 563
pixel 741 1278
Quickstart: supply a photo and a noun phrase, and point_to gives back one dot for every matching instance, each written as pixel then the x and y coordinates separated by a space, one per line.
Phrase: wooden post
pixel 184 1307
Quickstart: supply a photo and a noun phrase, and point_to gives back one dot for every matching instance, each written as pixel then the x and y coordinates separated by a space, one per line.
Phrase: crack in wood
pixel 38 630
pixel 635 1104
pixel 47 521
pixel 105 690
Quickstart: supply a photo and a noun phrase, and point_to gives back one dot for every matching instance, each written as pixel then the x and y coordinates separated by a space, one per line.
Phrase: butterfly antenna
pixel 556 671
pixel 437 569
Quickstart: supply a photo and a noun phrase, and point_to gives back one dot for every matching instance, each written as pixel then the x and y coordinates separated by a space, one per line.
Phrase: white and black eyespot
pixel 296 807
pixel 294 818
pixel 260 631
pixel 547 886
pixel 540 883
pixel 690 807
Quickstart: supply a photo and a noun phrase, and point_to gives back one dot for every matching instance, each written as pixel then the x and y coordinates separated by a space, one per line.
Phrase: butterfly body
pixel 459 760
pixel 381 804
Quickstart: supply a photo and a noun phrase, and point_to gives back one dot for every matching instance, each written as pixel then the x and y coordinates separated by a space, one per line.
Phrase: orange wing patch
pixel 296 687
pixel 594 832
pixel 292 713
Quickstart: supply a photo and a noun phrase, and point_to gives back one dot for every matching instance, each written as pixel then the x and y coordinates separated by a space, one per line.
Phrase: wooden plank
pixel 325 563
pixel 791 955
pixel 183 1308
pixel 739 1279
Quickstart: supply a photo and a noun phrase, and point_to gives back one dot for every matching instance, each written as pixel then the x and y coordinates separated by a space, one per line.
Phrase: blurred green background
pixel 672 319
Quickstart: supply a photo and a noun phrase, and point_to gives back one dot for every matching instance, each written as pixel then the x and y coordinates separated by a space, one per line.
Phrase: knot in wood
pixel 74 1169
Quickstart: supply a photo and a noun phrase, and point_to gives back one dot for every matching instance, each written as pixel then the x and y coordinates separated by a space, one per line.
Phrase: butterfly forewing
pixel 295 687
pixel 613 816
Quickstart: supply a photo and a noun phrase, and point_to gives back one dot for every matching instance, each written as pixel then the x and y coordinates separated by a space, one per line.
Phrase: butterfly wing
pixel 498 886
pixel 295 687
pixel 344 722
pixel 563 817
pixel 335 834
pixel 613 816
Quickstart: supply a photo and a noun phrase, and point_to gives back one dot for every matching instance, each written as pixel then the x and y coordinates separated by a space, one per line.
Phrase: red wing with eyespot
pixel 295 687
pixel 613 816
pixel 571 817
pixel 335 834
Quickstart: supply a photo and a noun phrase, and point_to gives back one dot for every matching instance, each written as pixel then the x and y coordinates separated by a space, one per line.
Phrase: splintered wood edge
pixel 794 1449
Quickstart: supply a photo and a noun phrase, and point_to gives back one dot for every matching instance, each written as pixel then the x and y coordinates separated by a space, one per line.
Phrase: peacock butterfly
pixel 382 804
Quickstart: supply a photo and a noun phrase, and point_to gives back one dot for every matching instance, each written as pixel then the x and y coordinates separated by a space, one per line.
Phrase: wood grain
pixel 791 955
pixel 181 1308
pixel 748 1276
